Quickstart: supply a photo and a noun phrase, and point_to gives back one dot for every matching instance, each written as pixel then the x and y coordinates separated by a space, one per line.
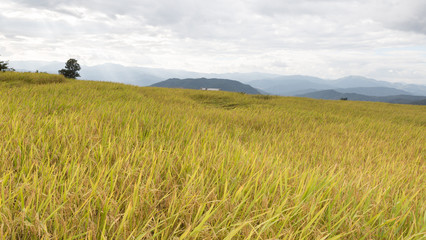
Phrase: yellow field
pixel 16 78
pixel 92 160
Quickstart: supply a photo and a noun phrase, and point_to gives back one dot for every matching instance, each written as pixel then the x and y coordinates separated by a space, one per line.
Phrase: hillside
pixel 198 83
pixel 374 91
pixel 335 95
pixel 298 85
pixel 290 85
pixel 283 85
pixel 95 160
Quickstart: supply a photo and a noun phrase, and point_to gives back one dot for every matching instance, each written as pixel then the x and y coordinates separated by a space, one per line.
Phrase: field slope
pixel 93 160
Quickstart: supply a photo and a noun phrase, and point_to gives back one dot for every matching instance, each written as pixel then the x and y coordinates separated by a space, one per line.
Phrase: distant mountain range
pixel 374 91
pixel 263 83
pixel 298 85
pixel 335 95
pixel 139 76
pixel 290 85
pixel 198 83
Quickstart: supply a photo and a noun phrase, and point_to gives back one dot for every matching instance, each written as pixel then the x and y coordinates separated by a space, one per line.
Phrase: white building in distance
pixel 210 89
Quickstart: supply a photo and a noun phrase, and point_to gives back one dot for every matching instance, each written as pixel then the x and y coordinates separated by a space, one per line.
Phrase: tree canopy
pixel 4 66
pixel 71 69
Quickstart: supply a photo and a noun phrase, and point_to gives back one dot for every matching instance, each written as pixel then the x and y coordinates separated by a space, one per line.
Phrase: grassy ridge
pixel 19 78
pixel 102 160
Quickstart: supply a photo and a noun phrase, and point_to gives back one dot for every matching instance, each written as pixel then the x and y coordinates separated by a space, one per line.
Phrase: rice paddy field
pixel 95 160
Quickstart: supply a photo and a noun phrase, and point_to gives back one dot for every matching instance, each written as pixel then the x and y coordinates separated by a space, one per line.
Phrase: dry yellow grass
pixel 108 161
pixel 20 78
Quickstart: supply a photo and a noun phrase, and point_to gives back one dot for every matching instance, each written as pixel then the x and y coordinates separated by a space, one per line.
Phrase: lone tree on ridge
pixel 4 66
pixel 71 69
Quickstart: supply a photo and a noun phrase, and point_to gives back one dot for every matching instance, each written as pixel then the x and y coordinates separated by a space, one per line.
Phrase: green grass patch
pixel 220 100
pixel 264 97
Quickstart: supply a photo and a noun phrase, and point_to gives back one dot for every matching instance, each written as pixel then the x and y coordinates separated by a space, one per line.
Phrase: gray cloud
pixel 327 38
pixel 407 17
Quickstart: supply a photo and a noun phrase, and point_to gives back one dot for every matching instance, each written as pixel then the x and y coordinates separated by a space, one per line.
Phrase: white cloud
pixel 326 38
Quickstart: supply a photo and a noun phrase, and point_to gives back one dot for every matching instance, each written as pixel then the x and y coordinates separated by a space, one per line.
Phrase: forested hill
pixel 198 83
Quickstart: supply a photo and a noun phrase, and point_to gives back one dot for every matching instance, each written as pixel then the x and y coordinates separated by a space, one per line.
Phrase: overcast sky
pixel 383 39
